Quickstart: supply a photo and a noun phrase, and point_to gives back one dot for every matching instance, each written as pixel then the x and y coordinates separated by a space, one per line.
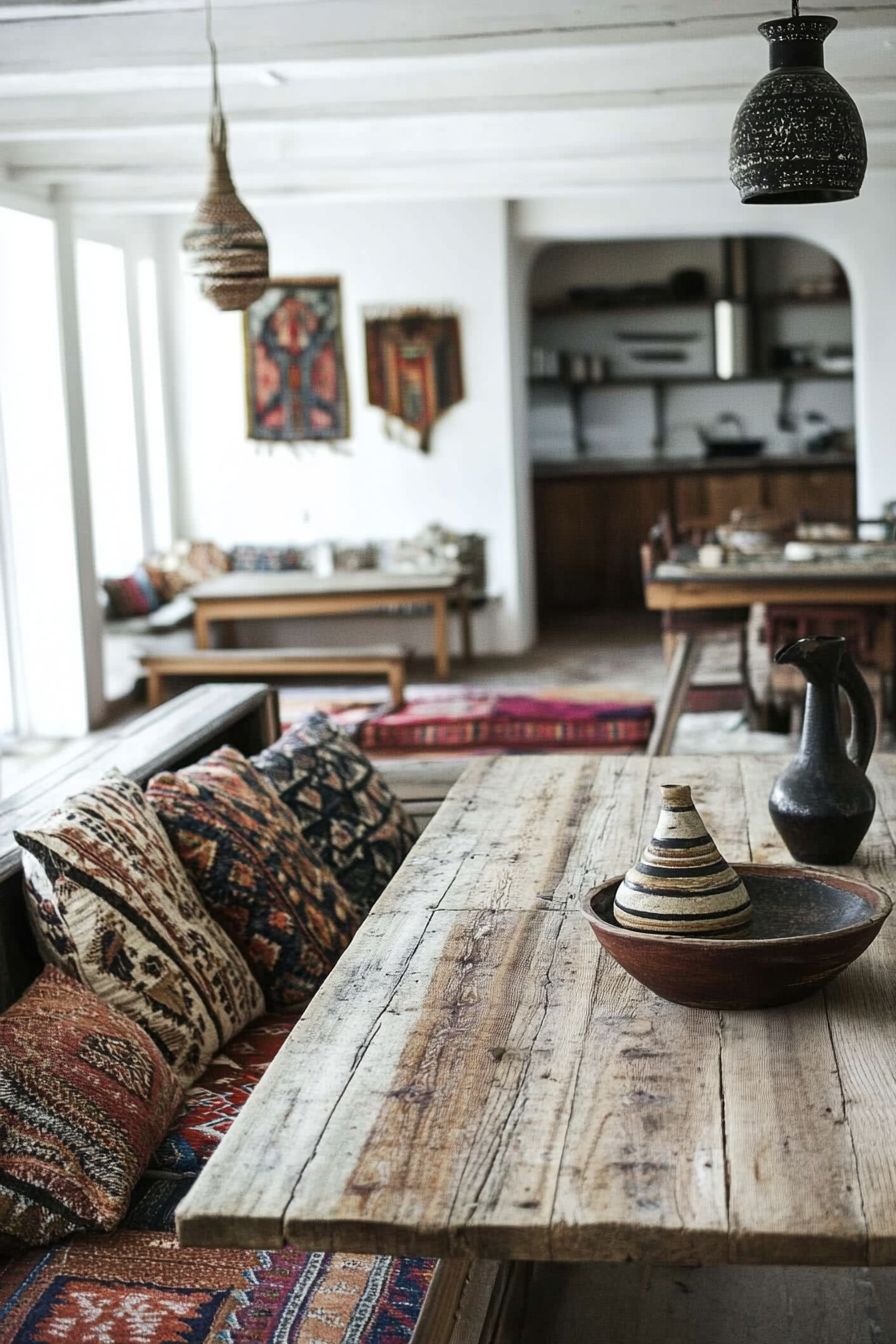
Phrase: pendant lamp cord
pixel 217 127
pixel 794 8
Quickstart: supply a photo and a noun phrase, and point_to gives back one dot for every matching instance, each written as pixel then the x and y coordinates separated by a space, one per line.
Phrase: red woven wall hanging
pixel 414 367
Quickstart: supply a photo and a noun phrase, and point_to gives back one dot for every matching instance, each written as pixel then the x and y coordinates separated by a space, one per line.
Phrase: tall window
pixel 157 474
pixel 42 622
pixel 106 360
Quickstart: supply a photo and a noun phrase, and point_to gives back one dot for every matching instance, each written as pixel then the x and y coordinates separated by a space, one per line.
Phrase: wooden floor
pixel 634 1304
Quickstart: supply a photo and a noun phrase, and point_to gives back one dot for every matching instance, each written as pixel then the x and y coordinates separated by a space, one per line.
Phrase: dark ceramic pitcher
pixel 822 804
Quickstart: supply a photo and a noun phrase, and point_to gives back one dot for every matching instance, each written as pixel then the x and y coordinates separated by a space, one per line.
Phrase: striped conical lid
pixel 681 884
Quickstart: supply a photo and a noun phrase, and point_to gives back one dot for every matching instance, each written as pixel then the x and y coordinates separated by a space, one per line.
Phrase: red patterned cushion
pixel 136 595
pixel 244 850
pixel 85 1097
pixel 214 1101
pixel 137 1288
pixel 346 810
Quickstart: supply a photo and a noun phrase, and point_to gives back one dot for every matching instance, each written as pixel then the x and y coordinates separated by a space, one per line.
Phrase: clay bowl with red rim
pixel 807 927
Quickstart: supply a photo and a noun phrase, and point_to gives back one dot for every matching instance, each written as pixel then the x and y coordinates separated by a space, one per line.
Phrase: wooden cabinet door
pixel 710 496
pixel 588 535
pixel 826 495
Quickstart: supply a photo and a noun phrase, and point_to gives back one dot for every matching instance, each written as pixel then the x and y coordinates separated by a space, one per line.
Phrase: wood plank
pixel 505 835
pixel 694 593
pixel 644 1170
pixel 794 1194
pixel 427 1087
pixel 862 1014
pixel 276 1134
pixel 457 1302
pixel 675 694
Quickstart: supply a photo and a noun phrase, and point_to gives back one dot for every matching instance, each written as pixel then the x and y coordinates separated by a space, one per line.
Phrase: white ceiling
pixel 104 102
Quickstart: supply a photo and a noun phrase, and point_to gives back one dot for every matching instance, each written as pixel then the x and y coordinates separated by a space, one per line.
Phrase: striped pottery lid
pixel 681 884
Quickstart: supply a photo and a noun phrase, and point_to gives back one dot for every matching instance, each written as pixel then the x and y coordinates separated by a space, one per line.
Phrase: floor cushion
pixel 112 906
pixel 212 1104
pixel 138 1288
pixel 482 720
pixel 345 808
pixel 258 876
pixel 85 1096
pixel 209 1109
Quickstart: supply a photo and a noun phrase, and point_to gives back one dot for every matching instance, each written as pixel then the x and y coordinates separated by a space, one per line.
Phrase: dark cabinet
pixel 589 524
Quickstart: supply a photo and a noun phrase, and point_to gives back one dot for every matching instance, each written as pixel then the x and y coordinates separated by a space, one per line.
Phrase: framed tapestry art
pixel 413 366
pixel 296 387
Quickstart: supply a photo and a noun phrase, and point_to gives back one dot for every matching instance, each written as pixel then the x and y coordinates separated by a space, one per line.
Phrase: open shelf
pixel 670 380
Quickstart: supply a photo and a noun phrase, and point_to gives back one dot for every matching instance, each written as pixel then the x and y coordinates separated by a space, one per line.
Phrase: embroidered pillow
pixel 136 595
pixel 346 810
pixel 85 1097
pixel 112 906
pixel 244 850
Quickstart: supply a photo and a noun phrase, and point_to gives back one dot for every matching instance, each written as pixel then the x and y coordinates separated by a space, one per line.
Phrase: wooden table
pixel 674 587
pixel 690 587
pixel 477 1078
pixel 255 596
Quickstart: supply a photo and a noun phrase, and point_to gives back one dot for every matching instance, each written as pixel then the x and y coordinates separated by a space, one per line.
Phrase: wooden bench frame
pixel 177 733
pixel 379 660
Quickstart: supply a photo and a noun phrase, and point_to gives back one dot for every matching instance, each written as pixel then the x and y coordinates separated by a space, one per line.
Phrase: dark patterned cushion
pixel 281 906
pixel 112 906
pixel 85 1097
pixel 132 1287
pixel 345 808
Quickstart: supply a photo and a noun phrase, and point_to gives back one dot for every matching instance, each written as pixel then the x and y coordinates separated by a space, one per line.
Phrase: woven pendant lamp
pixel 225 245
pixel 798 137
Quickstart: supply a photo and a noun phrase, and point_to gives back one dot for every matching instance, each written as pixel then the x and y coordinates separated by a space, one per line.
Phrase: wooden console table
pixel 477 1079
pixel 255 596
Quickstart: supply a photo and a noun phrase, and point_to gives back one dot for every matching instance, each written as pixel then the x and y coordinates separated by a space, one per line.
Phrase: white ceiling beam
pixel 107 37
pixel 117 117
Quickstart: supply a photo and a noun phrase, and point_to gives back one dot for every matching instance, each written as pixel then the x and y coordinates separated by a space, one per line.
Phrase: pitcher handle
pixel 863 728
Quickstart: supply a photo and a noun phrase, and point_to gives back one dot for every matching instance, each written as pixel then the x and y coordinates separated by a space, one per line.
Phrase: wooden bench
pixel 177 733
pixel 376 660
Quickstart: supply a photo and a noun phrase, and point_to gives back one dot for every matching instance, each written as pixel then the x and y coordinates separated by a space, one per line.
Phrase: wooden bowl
pixel 807 927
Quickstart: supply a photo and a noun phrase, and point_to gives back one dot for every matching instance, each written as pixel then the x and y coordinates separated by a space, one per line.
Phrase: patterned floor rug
pixel 443 719
pixel 141 1288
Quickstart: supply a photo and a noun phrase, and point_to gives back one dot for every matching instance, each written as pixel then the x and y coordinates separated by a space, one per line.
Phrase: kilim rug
pixel 442 719
pixel 141 1288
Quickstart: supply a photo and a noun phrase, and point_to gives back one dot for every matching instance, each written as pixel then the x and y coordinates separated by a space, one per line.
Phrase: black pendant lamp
pixel 224 243
pixel 798 137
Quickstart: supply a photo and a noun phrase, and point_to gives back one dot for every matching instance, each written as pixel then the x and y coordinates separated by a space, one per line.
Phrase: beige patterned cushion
pixel 113 907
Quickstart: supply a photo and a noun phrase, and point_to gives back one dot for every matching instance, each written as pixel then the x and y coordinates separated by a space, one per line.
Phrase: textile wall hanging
pixel 296 387
pixel 413 367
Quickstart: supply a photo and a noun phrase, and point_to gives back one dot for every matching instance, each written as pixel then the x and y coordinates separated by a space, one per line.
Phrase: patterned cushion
pixel 130 1287
pixel 136 595
pixel 214 1101
pixel 345 808
pixel 242 847
pixel 85 1096
pixel 255 558
pixel 112 906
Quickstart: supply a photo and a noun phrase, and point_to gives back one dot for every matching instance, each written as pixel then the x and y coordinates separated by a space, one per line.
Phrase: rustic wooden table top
pixel 301 583
pixel 477 1077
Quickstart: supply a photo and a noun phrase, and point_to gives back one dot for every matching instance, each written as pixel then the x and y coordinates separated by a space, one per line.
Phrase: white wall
pixel 860 234
pixel 371 487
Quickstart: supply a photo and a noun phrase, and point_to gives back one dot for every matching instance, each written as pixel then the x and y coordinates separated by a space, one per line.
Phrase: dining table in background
pixel 686 588
pixel 281 595
pixel 478 1080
